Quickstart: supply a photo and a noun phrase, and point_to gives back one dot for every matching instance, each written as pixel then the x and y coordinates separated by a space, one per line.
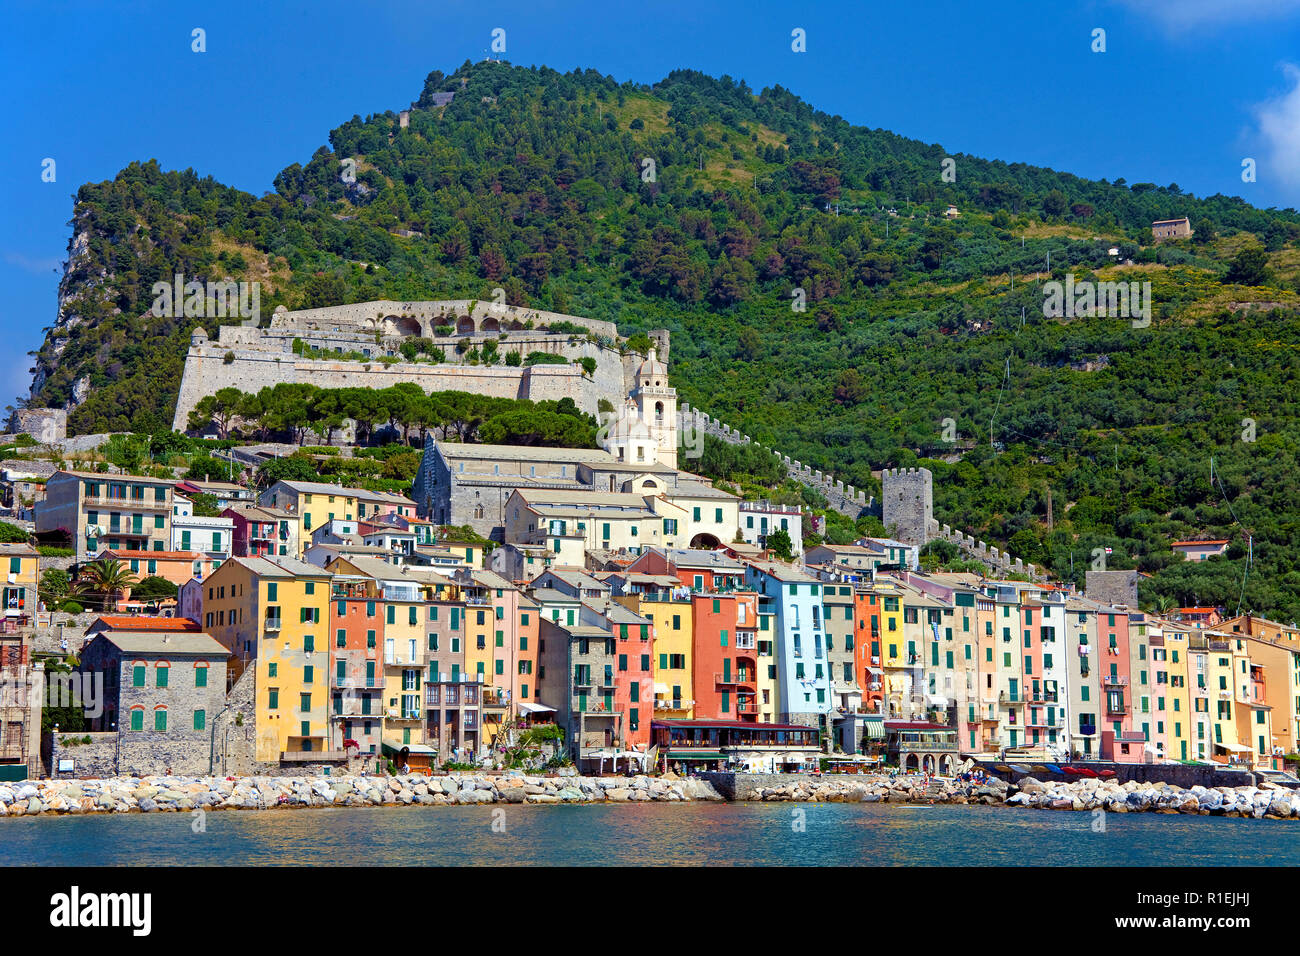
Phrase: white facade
pixel 645 428
pixel 758 519
pixel 213 537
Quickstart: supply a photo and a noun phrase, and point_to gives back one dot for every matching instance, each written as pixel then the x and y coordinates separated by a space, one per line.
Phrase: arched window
pixel 160 718
pixel 137 718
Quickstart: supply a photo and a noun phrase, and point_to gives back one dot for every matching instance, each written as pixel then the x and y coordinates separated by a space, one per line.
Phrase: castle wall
pixel 402 318
pixel 251 369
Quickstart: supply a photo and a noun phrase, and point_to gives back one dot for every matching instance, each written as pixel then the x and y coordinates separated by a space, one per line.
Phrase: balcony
pixel 495 698
pixel 1007 697
pixel 1087 730
pixel 746 707
pixel 355 683
pixel 1114 681
pixel 665 704
pixel 125 504
pixel 1118 708
pixel 1220 645
pixel 729 680
pixel 350 710
pixel 271 624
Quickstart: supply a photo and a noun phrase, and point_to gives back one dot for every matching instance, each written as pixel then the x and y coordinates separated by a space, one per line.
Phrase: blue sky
pixel 1183 92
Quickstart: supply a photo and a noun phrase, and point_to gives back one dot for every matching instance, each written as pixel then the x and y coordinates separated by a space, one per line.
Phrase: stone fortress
pixel 251 358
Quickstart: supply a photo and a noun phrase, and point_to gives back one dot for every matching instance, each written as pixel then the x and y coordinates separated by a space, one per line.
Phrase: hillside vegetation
pixel 538 182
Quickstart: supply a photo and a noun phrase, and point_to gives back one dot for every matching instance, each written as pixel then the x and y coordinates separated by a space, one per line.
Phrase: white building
pixel 644 431
pixel 758 519
pixel 213 537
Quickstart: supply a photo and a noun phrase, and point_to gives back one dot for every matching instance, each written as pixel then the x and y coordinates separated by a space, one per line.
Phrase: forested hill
pixel 700 206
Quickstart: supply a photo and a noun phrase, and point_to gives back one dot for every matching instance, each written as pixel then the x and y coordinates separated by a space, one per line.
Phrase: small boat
pixel 1086 772
pixel 1106 774
pixel 1053 768
pixel 1039 768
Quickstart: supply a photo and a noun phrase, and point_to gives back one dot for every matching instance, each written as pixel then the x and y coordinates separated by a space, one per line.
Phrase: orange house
pixel 177 567
pixel 725 677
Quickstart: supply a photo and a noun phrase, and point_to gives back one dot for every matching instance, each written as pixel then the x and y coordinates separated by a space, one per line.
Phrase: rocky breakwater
pixel 1267 800
pixel 885 789
pixel 173 794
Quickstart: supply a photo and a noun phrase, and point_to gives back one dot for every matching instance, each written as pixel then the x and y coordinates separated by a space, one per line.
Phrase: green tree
pixel 107 577
pixel 779 542
pixel 1250 267
pixel 12 534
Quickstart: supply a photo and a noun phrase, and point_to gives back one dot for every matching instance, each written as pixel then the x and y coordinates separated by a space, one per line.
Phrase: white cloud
pixel 1187 14
pixel 1277 127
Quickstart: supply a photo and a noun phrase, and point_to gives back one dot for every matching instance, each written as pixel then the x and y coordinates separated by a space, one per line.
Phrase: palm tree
pixel 108 577
pixel 1163 604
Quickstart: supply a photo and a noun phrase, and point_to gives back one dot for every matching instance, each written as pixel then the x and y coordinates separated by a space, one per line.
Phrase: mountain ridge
pixel 535 181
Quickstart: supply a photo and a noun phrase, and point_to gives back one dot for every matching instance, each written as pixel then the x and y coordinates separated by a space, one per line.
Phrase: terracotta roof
pixel 129 623
pixel 1185 544
pixel 172 555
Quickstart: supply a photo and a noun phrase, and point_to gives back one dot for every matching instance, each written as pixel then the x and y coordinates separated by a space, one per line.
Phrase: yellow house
pixel 673 652
pixel 1179 707
pixel 274 615
pixel 1277 648
pixel 1221 679
pixel 313 502
pixel 22 569
pixel 472 551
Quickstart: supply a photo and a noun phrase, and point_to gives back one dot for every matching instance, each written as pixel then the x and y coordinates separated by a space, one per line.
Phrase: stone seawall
pixel 184 794
pixel 187 794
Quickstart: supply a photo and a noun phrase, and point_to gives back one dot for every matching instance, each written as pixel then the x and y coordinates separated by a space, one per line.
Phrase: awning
pixel 874 729
pixel 1235 748
pixel 661 689
pixel 938 700
pixel 695 755
pixel 535 708
pixel 415 750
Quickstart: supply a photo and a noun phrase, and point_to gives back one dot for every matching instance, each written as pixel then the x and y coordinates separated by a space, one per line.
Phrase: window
pixel 160 719
pixel 200 720
pixel 161 679
pixel 200 676
pixel 137 719
pixel 137 675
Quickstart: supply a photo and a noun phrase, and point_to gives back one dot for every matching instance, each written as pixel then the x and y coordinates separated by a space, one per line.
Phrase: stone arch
pixel 928 763
pixel 408 325
pixel 490 324
pixel 705 542
pixel 947 765
pixel 659 413
pixel 911 763
pixel 516 325
pixel 465 326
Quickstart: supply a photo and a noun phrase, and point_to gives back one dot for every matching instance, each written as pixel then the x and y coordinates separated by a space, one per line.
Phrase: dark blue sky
pixel 1183 92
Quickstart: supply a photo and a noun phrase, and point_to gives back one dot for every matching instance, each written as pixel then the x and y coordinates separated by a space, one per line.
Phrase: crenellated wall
pixel 843 498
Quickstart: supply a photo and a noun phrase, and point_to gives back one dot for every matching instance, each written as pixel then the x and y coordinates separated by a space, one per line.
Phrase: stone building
pixel 333 347
pixel 907 504
pixel 161 692
pixel 21 686
pixel 1171 228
